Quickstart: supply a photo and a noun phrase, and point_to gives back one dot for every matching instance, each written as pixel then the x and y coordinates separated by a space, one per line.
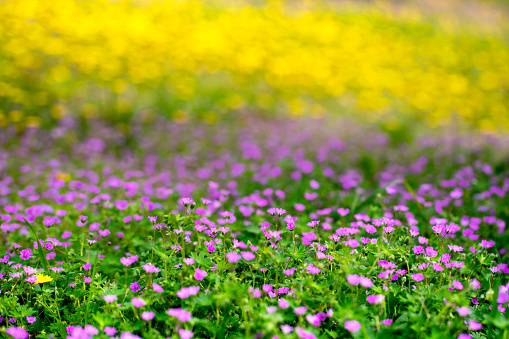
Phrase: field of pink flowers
pixel 252 229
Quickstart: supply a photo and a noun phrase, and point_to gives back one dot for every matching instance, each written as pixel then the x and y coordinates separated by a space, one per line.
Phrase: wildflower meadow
pixel 244 169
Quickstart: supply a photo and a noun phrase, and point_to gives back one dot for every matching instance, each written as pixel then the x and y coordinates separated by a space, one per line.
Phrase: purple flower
pixel 25 254
pixel 31 320
pixel 352 325
pixel 152 219
pixel 88 280
pixel 137 302
pixel 87 266
pixel 147 315
pixel 199 274
pixel 135 287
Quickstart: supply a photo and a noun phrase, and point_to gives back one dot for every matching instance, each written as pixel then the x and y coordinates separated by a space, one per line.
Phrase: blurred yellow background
pixel 429 62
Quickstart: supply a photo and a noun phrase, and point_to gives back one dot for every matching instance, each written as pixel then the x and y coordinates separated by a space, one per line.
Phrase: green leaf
pixel 39 247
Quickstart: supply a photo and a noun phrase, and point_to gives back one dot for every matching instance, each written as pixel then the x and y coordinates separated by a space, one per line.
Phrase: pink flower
pixel 304 334
pixel 149 268
pixel 352 326
pixel 286 329
pixel 104 233
pixel 157 288
pixel 313 223
pixel 188 261
pixel 375 299
pixel 365 282
pixel 137 302
pixel 199 274
pixel 282 303
pixel 437 267
pixel 474 325
pixel 17 332
pixel 289 271
pixel 271 309
pixel 475 284
pixel 185 334
pixel 110 331
pixel 431 252
pixel 186 292
pixel 182 315
pixel 300 310
pixel 110 298
pixel 353 279
pixel 232 257
pixel 418 249
pixel 457 285
pixel 248 256
pixel 128 261
pixel 87 266
pixel 147 316
pixel 418 277
pixel 313 270
pixel 463 311
pixel 313 320
pixel 386 322
pixel 88 280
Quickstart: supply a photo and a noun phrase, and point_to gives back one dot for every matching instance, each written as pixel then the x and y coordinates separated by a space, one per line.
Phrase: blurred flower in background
pixel 398 63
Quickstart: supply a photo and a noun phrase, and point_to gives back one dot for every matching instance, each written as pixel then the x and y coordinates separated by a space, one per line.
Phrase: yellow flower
pixel 63 176
pixel 41 279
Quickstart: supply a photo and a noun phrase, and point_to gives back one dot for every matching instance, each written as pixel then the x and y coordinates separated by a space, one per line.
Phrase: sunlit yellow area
pixel 190 59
